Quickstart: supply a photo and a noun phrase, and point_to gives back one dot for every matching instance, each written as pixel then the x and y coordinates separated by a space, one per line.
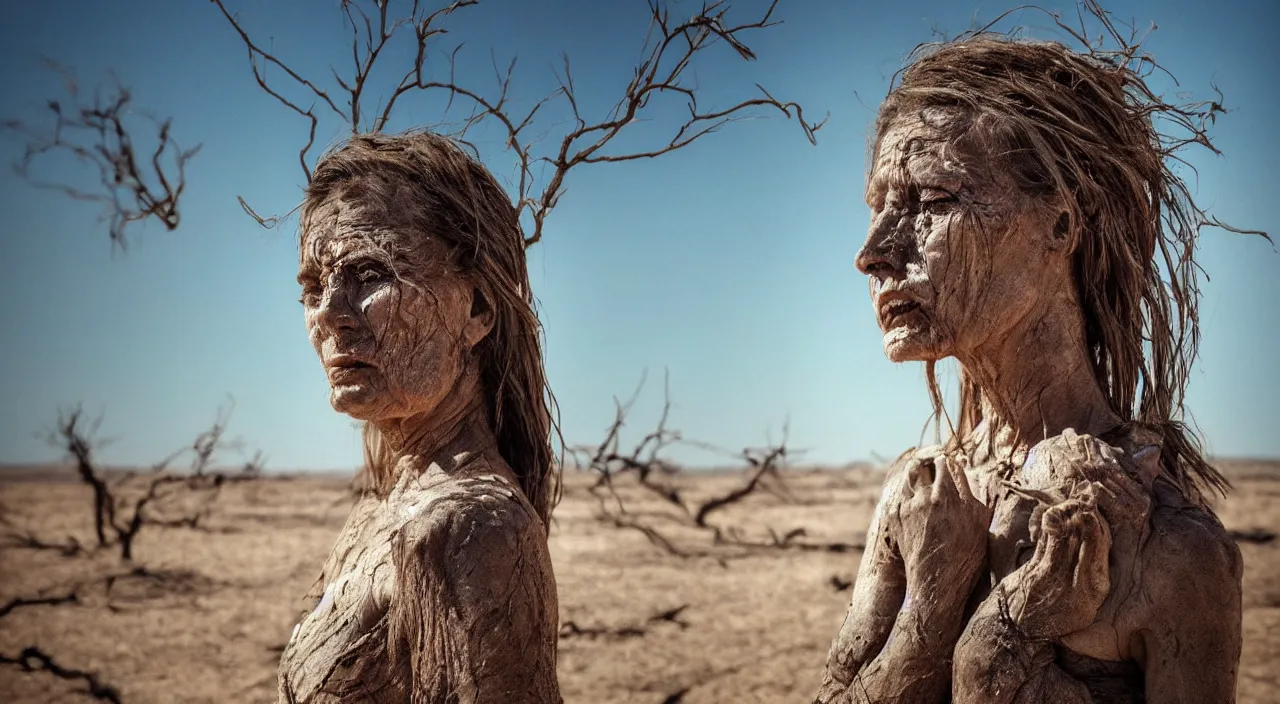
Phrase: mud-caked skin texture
pixel 1117 590
pixel 442 591
pixel 1052 551
pixel 440 586
pixel 1093 580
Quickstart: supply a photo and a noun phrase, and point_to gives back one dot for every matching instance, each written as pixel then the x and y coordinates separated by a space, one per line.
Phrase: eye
pixel 370 273
pixel 937 200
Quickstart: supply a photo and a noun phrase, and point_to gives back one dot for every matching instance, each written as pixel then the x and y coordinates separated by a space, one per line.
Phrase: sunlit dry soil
pixel 754 628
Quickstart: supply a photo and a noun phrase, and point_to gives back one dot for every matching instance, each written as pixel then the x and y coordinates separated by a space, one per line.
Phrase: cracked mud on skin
pixel 440 586
pixel 1058 547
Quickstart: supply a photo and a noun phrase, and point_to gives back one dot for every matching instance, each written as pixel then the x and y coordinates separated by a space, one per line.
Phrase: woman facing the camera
pixel 416 299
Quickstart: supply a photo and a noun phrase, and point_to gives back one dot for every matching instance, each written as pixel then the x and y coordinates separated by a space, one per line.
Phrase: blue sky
pixel 729 264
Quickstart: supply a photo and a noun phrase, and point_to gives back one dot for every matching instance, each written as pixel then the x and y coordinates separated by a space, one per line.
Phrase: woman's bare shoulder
pixel 477 510
pixel 895 477
pixel 1189 541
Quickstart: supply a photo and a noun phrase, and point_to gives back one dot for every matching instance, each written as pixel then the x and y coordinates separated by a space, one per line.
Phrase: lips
pixel 892 308
pixel 343 365
pixel 348 363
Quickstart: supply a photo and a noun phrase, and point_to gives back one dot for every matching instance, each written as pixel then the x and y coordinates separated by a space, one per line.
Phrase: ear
pixel 1062 233
pixel 480 322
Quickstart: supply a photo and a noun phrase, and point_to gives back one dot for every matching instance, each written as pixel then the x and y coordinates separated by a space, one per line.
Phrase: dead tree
pixel 122 505
pixel 670 50
pixel 656 475
pixel 157 497
pixel 134 182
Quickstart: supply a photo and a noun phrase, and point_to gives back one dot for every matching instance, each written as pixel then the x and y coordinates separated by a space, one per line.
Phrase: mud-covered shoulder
pixel 1191 616
pixel 470 516
pixel 475 613
pixel 1190 545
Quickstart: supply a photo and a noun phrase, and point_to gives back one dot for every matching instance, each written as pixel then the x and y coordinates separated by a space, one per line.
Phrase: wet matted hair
pixel 448 193
pixel 1085 127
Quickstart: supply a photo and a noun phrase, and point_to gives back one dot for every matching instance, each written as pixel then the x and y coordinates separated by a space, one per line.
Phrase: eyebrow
pixel 881 182
pixel 310 269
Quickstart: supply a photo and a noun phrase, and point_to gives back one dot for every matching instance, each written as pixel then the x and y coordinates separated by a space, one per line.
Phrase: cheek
pixel 957 261
pixel 942 241
pixel 382 309
pixel 419 334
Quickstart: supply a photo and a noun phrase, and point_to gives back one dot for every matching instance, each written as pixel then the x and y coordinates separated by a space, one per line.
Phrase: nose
pixel 337 310
pixel 881 254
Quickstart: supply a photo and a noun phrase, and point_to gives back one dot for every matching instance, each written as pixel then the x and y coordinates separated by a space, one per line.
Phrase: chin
pixel 908 345
pixel 359 402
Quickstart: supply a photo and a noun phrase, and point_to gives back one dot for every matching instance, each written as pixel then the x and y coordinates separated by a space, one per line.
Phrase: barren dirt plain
pixel 207 617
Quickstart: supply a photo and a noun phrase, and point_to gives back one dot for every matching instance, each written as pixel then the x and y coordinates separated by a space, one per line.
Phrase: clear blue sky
pixel 730 264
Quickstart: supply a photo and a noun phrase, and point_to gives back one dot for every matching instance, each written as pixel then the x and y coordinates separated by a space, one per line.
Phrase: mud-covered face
pixel 957 254
pixel 389 315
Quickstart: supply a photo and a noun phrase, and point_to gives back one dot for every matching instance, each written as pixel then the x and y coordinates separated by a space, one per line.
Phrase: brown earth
pixel 755 628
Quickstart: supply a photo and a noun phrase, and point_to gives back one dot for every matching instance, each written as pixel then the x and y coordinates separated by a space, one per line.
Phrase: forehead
pixel 346 226
pixel 919 145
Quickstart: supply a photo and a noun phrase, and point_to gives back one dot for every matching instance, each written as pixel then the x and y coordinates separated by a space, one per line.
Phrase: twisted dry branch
pixel 134 184
pixel 653 473
pixel 669 50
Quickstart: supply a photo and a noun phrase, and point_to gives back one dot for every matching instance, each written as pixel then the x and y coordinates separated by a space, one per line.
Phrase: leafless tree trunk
pixel 122 506
pixel 156 497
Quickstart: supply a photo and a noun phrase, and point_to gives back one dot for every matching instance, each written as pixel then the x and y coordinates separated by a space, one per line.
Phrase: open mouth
pixel 892 311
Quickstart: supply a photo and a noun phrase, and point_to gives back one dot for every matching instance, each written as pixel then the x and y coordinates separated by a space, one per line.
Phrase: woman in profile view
pixel 1059 547
pixel 416 299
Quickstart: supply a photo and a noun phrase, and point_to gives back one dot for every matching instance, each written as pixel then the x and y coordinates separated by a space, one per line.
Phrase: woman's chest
pixel 1015 522
pixel 343 639
pixel 1013 537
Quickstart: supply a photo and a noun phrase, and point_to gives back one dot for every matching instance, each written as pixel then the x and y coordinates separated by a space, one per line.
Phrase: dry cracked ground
pixel 206 622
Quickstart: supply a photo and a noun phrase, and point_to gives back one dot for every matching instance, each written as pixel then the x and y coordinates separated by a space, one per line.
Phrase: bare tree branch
pixel 19 537
pixel 157 497
pixel 133 185
pixel 122 506
pixel 14 604
pixel 655 475
pixel 571 629
pixel 668 53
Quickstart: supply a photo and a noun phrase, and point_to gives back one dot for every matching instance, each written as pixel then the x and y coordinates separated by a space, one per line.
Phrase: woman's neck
pixel 1036 380
pixel 457 428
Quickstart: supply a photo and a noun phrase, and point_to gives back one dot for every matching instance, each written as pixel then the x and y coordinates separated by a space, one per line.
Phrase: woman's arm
pixel 1006 653
pixel 997 663
pixel 878 593
pixel 897 640
pixel 1190 639
pixel 475 615
pixel 1186 622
